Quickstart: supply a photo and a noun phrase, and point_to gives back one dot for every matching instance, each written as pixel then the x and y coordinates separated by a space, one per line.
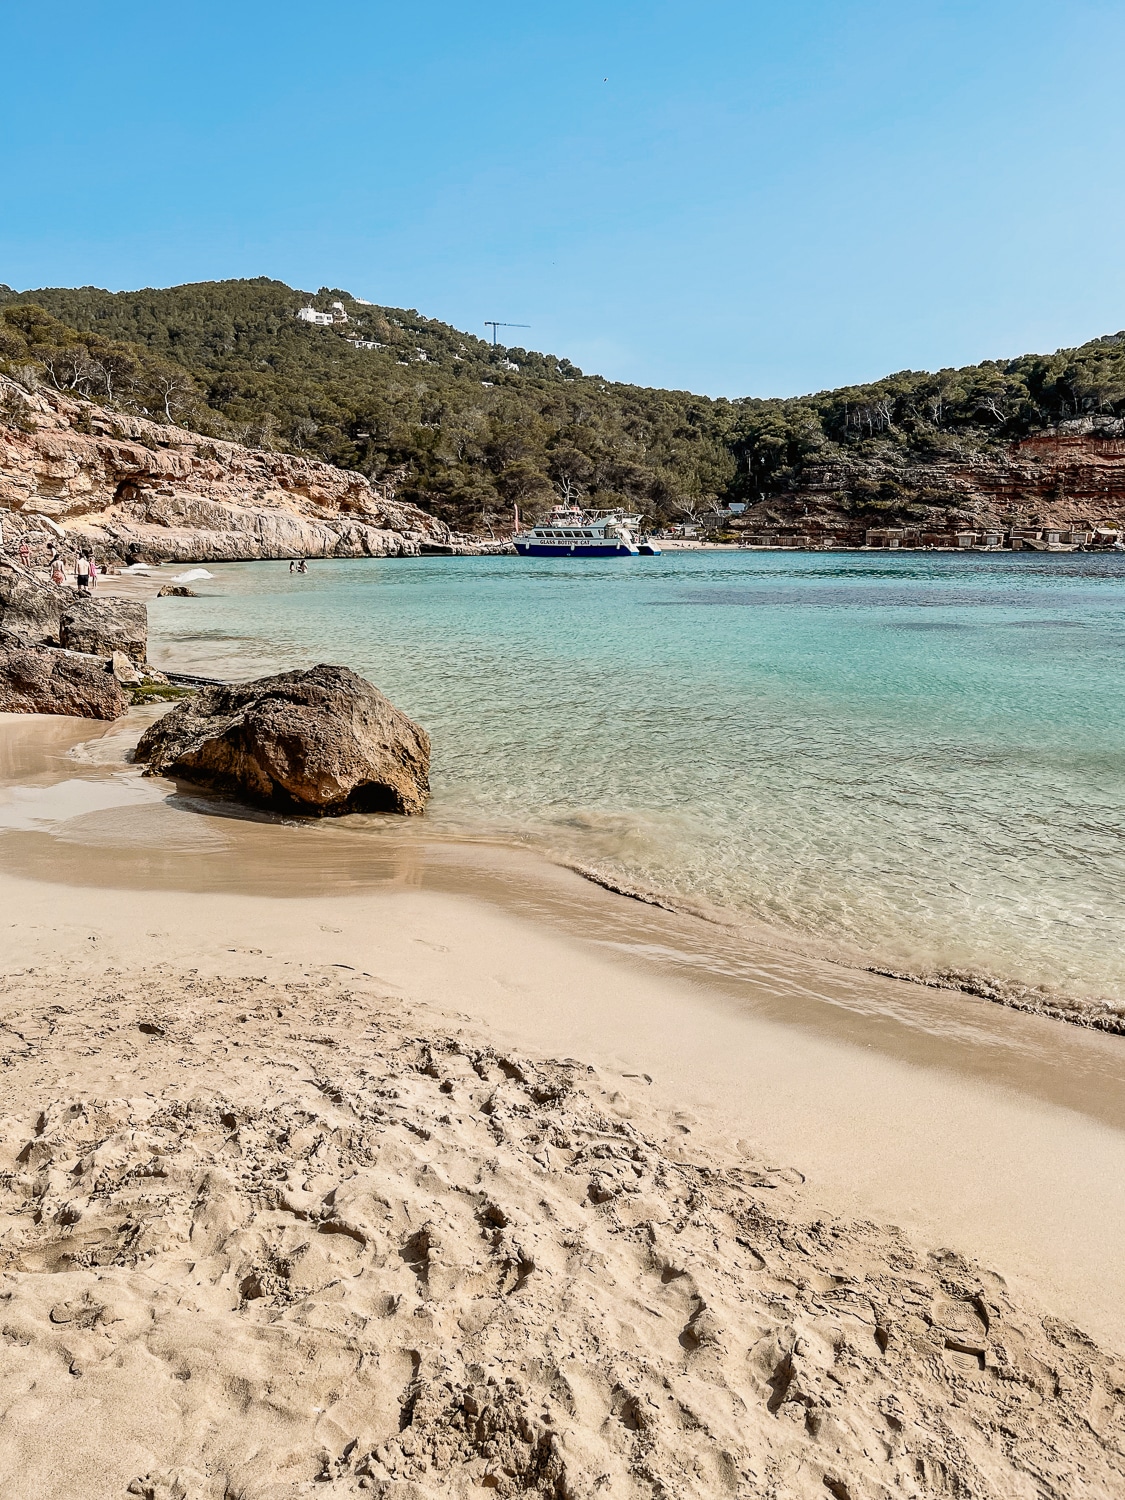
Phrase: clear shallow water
pixel 914 761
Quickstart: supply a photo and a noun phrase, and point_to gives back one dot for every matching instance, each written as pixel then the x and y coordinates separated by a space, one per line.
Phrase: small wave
pixel 1100 1014
pixel 642 893
pixel 1036 999
pixel 193 575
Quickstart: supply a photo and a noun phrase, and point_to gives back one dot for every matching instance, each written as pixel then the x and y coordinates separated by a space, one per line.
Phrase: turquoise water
pixel 916 761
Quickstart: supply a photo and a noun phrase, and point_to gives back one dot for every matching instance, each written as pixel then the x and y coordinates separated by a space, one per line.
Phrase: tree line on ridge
pixel 468 431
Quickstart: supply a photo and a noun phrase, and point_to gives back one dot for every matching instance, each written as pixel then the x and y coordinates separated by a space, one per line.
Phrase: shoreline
pixel 1083 1007
pixel 869 1085
pixel 1088 1011
pixel 840 1221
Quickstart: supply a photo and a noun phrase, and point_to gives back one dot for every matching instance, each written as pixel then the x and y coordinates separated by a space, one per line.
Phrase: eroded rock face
pixel 43 613
pixel 322 742
pixel 29 608
pixel 133 489
pixel 37 680
pixel 103 626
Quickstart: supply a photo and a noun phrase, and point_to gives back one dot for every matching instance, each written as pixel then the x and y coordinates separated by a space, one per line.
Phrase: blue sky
pixel 733 198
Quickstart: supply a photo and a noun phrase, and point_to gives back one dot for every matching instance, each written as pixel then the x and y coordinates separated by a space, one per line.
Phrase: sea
pixel 913 761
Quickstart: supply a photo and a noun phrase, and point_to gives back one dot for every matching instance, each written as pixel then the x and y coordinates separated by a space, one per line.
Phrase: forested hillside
pixel 467 431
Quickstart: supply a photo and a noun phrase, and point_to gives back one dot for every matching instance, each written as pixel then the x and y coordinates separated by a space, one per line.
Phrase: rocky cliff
pixel 140 491
pixel 1072 475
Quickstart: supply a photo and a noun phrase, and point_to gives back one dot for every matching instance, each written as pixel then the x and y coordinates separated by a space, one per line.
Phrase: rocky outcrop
pixel 135 490
pixel 323 742
pixel 1068 476
pixel 29 608
pixel 38 680
pixel 43 614
pixel 101 627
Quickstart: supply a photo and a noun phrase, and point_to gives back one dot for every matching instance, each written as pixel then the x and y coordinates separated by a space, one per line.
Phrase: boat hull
pixel 592 549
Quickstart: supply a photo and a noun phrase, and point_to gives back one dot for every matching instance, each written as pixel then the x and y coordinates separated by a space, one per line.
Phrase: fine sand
pixel 297 1201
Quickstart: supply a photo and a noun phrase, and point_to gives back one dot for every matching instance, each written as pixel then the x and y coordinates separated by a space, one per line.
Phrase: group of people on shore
pixel 84 567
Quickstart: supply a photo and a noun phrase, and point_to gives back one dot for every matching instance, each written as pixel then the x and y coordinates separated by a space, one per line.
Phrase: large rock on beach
pixel 28 607
pixel 37 680
pixel 40 612
pixel 102 626
pixel 322 742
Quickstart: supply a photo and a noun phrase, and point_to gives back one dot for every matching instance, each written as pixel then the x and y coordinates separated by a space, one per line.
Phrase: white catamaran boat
pixel 570 531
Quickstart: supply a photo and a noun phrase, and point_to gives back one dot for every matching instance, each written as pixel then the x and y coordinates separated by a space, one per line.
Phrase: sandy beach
pixel 355 1169
pixel 562 753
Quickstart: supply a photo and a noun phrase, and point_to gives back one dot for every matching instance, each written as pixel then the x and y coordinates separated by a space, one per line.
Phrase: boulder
pixel 176 591
pixel 322 742
pixel 123 669
pixel 36 611
pixel 37 680
pixel 103 626
pixel 29 607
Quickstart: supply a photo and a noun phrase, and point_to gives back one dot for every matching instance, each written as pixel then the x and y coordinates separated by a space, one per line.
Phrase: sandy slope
pixel 265 1238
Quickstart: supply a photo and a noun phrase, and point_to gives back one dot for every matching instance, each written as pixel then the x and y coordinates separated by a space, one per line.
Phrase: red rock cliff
pixel 1069 476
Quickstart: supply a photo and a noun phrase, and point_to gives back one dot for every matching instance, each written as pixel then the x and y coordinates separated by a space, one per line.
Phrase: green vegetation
pixel 468 431
pixel 159 692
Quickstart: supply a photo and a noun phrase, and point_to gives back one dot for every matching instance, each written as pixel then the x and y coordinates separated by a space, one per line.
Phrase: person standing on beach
pixel 82 571
pixel 58 572
pixel 93 572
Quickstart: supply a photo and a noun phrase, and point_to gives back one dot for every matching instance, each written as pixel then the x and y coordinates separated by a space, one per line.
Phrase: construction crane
pixel 494 325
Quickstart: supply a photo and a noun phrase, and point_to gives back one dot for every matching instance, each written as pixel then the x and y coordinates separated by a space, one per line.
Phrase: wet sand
pixel 998 1134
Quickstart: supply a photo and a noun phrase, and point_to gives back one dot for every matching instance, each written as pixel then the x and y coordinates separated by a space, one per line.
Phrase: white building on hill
pixel 335 314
